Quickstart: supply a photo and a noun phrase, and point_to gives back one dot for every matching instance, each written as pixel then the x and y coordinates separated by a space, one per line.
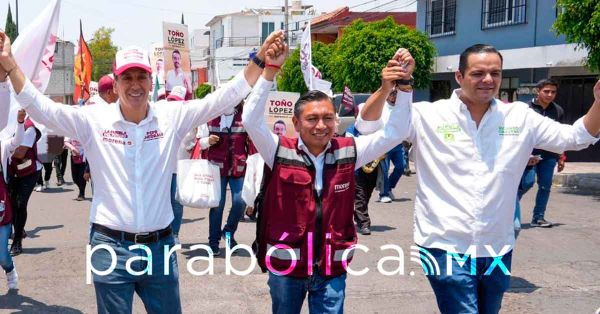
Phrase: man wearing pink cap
pixel 106 93
pixel 132 150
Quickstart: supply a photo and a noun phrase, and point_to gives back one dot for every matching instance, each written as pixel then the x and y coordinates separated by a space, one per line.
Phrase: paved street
pixel 554 270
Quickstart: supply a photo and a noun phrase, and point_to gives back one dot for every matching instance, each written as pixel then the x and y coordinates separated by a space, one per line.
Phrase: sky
pixel 139 22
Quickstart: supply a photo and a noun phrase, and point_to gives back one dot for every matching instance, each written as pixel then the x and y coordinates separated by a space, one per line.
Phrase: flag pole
pixel 81 60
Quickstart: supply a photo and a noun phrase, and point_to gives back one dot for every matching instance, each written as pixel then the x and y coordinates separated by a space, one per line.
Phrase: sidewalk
pixel 582 177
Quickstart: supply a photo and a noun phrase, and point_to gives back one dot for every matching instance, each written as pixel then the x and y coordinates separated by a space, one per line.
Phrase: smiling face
pixel 316 124
pixel 133 87
pixel 481 80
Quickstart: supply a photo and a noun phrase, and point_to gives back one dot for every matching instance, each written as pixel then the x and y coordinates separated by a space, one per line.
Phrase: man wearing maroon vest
pixel 230 153
pixel 305 231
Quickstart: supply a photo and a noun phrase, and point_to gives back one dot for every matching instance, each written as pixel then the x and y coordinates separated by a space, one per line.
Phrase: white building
pixel 234 36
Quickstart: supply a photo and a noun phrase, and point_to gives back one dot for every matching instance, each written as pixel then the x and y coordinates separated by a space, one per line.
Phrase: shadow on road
pixel 521 285
pixel 380 228
pixel 34 233
pixel 187 221
pixel 37 250
pixel 16 303
pixel 57 190
pixel 402 199
pixel 554 225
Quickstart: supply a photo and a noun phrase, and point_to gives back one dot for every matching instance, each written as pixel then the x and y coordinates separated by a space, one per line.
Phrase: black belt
pixel 143 237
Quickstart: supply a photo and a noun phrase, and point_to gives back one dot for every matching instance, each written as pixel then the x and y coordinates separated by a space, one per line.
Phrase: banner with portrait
pixel 157 62
pixel 279 111
pixel 176 51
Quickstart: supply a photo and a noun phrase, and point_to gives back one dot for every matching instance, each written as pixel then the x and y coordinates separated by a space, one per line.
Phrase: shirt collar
pixel 460 106
pixel 305 149
pixel 117 115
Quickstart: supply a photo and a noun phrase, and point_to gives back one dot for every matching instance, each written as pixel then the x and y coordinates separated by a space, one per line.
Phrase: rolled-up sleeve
pixel 255 123
pixel 556 137
pixel 64 119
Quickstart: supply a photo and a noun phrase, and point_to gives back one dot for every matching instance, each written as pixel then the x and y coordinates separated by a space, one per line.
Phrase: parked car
pixel 347 116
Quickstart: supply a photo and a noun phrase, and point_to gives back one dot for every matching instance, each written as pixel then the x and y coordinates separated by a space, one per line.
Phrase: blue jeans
pixel 544 170
pixel 215 215
pixel 5 259
pixel 470 291
pixel 395 156
pixel 114 292
pixel 177 207
pixel 324 295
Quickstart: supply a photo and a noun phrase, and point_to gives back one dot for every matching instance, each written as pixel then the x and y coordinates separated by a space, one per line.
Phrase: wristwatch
pixel 258 62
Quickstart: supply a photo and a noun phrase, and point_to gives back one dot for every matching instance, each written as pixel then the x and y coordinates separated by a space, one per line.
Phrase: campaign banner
pixel 177 65
pixel 157 62
pixel 93 88
pixel 279 111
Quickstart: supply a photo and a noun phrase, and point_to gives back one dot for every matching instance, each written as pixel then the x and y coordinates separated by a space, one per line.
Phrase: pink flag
pixel 348 103
pixel 34 52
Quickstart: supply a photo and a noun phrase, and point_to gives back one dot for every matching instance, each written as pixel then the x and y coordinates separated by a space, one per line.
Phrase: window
pixel 441 16
pixel 267 28
pixel 282 26
pixel 497 13
pixel 297 26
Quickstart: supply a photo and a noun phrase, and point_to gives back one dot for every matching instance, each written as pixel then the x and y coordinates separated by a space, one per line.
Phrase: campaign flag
pixel 348 107
pixel 82 71
pixel 34 52
pixel 312 75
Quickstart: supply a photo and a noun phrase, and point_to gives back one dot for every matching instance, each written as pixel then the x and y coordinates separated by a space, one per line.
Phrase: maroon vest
pixel 294 218
pixel 231 151
pixel 27 165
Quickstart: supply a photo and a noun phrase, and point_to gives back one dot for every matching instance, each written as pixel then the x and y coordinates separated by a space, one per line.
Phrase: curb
pixel 582 182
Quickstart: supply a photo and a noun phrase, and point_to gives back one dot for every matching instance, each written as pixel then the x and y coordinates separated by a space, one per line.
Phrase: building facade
pixel 61 84
pixel 522 31
pixel 234 36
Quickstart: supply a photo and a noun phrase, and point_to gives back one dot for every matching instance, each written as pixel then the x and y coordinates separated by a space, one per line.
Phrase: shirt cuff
pixel 404 98
pixel 240 84
pixel 27 95
pixel 204 144
pixel 583 136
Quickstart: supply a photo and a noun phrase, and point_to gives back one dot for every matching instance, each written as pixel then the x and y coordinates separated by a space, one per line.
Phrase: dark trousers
pixel 365 184
pixel 47 173
pixel 61 164
pixel 20 190
pixel 77 171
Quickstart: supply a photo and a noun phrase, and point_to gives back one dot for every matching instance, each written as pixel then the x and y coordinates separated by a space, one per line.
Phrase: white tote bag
pixel 198 183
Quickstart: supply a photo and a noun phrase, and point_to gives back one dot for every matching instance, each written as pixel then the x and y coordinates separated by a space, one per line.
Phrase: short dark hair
pixel 313 95
pixel 279 122
pixel 176 51
pixel 477 48
pixel 545 82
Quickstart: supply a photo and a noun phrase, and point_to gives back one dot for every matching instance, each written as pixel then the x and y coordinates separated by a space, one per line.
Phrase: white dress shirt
pixel 132 163
pixel 7 148
pixel 367 147
pixel 252 179
pixel 4 104
pixel 468 176
pixel 29 141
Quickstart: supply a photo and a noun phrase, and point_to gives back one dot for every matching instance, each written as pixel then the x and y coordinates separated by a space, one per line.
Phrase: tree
pixel 103 52
pixel 203 90
pixel 11 28
pixel 579 21
pixel 365 48
pixel 291 78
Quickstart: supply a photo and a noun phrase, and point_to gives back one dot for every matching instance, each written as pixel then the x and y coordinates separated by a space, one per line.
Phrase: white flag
pixel 34 52
pixel 312 75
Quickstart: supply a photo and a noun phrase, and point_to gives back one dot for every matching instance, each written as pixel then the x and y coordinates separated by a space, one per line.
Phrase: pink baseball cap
pixel 105 84
pixel 177 93
pixel 132 57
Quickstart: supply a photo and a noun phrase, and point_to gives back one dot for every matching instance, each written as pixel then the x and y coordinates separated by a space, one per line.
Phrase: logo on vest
pixel 341 187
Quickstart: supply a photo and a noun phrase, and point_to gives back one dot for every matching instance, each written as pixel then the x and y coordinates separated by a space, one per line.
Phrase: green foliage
pixel 357 58
pixel 291 79
pixel 203 90
pixel 580 23
pixel 103 52
pixel 365 48
pixel 11 28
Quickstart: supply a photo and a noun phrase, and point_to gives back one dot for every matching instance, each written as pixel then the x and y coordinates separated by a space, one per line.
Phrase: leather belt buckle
pixel 143 238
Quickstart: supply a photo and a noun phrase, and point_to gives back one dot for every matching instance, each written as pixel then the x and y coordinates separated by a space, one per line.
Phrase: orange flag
pixel 83 70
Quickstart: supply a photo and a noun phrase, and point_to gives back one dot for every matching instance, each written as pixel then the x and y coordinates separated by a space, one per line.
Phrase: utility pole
pixel 17 3
pixel 286 26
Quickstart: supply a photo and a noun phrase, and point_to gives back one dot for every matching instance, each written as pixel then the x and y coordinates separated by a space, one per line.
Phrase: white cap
pixel 132 57
pixel 177 93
